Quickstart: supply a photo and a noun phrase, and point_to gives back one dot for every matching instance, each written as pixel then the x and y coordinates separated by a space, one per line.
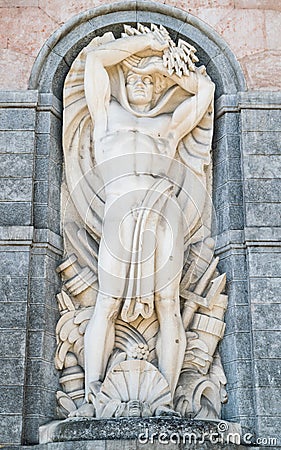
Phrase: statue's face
pixel 139 89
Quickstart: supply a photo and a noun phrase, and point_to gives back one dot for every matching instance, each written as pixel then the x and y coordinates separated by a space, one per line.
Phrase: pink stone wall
pixel 250 27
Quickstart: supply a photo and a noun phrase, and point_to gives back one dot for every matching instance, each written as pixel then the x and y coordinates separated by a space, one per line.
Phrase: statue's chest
pixel 121 120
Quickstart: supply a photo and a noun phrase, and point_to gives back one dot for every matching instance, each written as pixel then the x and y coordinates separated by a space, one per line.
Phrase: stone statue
pixel 142 305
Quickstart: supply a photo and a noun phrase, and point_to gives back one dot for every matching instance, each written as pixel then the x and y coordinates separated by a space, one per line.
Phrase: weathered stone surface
pixel 230 193
pixel 227 170
pixel 234 264
pixel 239 375
pixel 236 346
pixel 268 375
pixel 42 374
pixel 42 317
pixel 41 344
pixel 17 119
pixel 17 141
pixel 262 167
pixel 10 430
pixel 264 317
pixel 36 29
pixel 46 169
pixel 12 343
pixel 237 292
pixel 257 4
pixel 50 146
pixel 246 25
pixel 13 289
pixel 264 264
pixel 264 191
pixel 238 318
pixel 226 126
pixel 78 429
pixel 15 213
pixel 14 263
pixel 263 214
pixel 261 142
pixel 14 315
pixel 240 403
pixel 41 191
pixel 40 401
pixel 272 22
pixel 259 74
pixel 231 218
pixel 261 120
pixel 268 402
pixel 266 344
pixel 18 66
pixel 14 189
pixel 47 122
pixel 11 399
pixel 16 165
pixel 12 371
pixel 265 290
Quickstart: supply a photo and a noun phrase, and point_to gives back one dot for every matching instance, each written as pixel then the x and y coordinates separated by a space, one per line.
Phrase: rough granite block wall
pixel 17 137
pixel 246 193
pixel 261 153
pixel 30 247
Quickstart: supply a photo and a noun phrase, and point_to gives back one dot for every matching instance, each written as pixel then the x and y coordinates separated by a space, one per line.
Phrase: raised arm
pixel 189 113
pixel 96 80
pixel 199 94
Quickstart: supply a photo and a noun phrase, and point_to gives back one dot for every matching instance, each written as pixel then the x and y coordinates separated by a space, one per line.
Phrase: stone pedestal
pixel 134 433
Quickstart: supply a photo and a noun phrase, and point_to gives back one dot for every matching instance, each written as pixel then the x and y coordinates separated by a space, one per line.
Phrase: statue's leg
pixel 171 339
pixel 112 271
pixel 169 260
pixel 99 339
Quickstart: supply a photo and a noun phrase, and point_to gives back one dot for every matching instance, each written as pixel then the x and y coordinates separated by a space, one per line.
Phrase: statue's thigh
pixel 115 256
pixel 169 251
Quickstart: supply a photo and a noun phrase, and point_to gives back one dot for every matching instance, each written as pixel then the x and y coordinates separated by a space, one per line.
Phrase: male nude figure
pixel 118 131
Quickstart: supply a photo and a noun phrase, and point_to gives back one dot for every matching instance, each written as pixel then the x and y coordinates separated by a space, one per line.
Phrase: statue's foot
pixel 166 411
pixel 85 410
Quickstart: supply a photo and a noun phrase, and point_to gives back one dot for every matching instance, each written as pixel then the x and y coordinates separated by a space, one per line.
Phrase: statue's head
pixel 140 89
pixel 143 88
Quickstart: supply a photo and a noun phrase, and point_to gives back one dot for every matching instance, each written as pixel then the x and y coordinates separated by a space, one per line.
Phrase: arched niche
pixel 48 75
pixel 59 51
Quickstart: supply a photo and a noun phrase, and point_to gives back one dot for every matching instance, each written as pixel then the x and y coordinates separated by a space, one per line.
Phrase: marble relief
pixel 142 303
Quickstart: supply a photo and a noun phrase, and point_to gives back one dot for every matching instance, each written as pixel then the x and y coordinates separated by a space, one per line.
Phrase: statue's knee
pixel 107 307
pixel 166 305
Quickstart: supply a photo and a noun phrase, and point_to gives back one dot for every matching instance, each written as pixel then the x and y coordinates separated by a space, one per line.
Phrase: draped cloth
pixel 139 298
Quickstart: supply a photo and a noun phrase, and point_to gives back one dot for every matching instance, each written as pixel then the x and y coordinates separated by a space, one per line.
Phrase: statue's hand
pixel 155 64
pixel 158 43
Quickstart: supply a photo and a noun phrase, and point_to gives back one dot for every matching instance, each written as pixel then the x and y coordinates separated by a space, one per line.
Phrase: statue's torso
pixel 130 152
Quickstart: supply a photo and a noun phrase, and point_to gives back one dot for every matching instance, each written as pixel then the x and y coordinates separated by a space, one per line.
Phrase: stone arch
pixel 59 51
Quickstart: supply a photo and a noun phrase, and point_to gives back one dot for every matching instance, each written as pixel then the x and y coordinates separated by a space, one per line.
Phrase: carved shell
pixel 133 380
